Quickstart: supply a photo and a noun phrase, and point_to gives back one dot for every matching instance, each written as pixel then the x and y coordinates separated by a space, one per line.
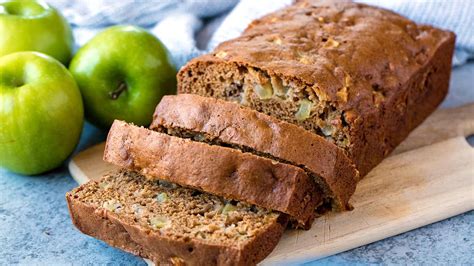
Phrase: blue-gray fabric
pixel 178 22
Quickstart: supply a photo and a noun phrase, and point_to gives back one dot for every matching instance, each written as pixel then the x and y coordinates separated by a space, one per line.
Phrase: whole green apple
pixel 41 113
pixel 34 26
pixel 122 73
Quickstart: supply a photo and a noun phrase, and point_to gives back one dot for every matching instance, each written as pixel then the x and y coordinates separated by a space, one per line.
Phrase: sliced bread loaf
pixel 226 123
pixel 221 171
pixel 360 76
pixel 170 224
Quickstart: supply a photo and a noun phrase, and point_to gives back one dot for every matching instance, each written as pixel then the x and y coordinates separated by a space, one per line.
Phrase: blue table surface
pixel 35 227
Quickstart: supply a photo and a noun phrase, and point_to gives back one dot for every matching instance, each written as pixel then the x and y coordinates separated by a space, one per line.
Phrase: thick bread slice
pixel 173 225
pixel 226 122
pixel 218 170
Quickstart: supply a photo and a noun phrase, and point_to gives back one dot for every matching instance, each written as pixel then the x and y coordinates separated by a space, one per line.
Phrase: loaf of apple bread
pixel 360 76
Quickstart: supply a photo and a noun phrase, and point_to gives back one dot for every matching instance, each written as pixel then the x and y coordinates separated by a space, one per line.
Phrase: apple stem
pixel 116 93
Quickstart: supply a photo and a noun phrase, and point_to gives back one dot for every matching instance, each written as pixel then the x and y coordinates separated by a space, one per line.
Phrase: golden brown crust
pixel 119 231
pixel 366 50
pixel 415 100
pixel 214 169
pixel 359 62
pixel 233 124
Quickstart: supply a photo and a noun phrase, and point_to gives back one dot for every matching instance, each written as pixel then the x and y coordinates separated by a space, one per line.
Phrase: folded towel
pixel 180 23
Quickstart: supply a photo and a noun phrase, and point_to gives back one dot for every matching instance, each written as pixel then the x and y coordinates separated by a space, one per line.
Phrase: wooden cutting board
pixel 428 178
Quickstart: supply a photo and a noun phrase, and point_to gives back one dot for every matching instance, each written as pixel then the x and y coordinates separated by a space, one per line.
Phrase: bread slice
pixel 218 170
pixel 226 123
pixel 360 76
pixel 170 224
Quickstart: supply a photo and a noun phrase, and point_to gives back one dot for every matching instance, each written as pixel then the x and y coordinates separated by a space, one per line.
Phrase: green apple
pixel 34 26
pixel 41 113
pixel 122 73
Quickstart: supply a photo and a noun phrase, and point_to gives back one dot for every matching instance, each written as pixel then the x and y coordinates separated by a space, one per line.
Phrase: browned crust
pixel 378 134
pixel 386 50
pixel 109 228
pixel 234 124
pixel 214 169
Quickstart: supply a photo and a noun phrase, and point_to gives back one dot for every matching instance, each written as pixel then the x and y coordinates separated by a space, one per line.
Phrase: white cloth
pixel 179 23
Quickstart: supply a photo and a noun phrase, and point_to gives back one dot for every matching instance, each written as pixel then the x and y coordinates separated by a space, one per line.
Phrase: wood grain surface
pixel 428 178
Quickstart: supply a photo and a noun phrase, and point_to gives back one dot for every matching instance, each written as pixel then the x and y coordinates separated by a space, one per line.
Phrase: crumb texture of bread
pixel 225 123
pixel 218 170
pixel 171 224
pixel 360 76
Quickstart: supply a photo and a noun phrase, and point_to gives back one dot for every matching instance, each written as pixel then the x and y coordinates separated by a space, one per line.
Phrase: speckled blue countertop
pixel 35 227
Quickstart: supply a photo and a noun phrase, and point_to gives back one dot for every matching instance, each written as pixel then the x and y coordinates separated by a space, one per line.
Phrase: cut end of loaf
pixel 287 99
